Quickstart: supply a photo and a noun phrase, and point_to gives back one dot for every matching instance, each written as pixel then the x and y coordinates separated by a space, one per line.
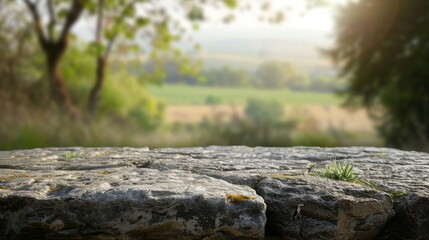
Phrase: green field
pixel 197 95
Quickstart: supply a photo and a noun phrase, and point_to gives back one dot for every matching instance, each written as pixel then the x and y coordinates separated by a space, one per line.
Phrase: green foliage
pixel 213 100
pixel 178 69
pixel 142 21
pixel 125 23
pixel 196 14
pixel 299 82
pixel 125 96
pixel 245 132
pixel 148 113
pixel 29 136
pixel 183 71
pixel 230 3
pixel 324 84
pixel 21 65
pixel 319 139
pixel 274 74
pixel 226 77
pixel 340 171
pixel 261 126
pixel 78 68
pixel 263 112
pixel 45 127
pixel 382 48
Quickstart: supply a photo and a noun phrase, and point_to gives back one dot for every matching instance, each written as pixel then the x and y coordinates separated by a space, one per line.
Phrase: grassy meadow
pixel 192 118
pixel 199 95
pixel 308 118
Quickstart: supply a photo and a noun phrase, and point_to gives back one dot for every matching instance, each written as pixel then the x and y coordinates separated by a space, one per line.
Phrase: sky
pixel 297 18
pixel 318 20
pixel 246 24
pixel 298 38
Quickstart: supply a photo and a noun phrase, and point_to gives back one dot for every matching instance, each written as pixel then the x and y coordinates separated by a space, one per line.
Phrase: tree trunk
pixel 95 91
pixel 55 47
pixel 59 91
pixel 101 59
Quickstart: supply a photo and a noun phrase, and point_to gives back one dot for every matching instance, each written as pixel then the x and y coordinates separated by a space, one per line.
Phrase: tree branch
pixel 109 47
pixel 52 20
pixel 99 29
pixel 37 22
pixel 130 4
pixel 112 41
pixel 76 9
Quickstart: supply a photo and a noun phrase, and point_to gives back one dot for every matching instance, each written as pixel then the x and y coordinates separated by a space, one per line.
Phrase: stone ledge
pixel 206 193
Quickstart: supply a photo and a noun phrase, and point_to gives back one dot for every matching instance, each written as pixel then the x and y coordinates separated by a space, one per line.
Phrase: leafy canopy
pixel 382 47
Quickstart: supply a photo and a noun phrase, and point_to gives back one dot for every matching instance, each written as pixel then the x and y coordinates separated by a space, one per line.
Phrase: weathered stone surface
pixel 127 203
pixel 401 174
pixel 317 208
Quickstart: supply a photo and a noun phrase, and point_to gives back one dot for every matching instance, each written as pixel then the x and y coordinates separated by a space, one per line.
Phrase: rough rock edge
pixel 410 196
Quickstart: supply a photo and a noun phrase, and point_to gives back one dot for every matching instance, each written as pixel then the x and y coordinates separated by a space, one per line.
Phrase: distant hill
pixel 300 48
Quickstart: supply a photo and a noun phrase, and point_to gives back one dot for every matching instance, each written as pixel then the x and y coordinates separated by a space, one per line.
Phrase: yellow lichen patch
pixel 13 177
pixel 237 198
pixel 105 172
pixel 282 175
pixel 54 188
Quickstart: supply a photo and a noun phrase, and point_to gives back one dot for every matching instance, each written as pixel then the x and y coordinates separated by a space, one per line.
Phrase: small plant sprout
pixel 345 172
pixel 71 155
pixel 340 171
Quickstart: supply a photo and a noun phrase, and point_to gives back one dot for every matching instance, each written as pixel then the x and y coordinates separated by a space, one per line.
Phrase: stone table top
pixel 220 177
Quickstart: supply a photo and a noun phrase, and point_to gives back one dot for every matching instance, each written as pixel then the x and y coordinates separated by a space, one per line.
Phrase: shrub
pixel 148 113
pixel 213 100
pixel 263 112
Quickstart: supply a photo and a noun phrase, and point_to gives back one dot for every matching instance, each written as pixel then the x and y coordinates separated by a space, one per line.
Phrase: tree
pixel 53 39
pixel 16 49
pixel 227 77
pixel 274 74
pixel 116 21
pixel 382 48
pixel 262 112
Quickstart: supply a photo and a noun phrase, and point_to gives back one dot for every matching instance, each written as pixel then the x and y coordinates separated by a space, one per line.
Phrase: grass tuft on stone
pixel 340 171
pixel 345 172
pixel 396 194
pixel 71 155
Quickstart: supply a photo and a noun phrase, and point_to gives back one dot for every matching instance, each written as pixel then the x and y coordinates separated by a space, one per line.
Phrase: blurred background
pixel 174 73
